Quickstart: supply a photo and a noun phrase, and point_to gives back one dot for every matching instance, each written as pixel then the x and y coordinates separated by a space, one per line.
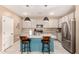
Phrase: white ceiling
pixel 40 10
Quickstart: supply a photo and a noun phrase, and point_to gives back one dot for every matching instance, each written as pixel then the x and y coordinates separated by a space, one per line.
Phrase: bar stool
pixel 46 44
pixel 25 44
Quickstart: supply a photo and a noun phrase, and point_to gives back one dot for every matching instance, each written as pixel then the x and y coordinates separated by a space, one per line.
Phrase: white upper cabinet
pixel 34 22
pixel 51 24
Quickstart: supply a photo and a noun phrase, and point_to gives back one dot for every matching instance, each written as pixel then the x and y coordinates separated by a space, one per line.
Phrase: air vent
pixel 45 5
pixel 27 5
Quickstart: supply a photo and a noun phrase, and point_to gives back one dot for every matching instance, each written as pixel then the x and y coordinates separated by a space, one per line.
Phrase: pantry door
pixel 7 32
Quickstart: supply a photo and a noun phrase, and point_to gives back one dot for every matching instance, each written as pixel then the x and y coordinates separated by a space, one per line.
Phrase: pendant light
pixel 27 19
pixel 46 19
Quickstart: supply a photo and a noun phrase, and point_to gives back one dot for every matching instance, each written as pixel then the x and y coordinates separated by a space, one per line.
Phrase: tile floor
pixel 15 49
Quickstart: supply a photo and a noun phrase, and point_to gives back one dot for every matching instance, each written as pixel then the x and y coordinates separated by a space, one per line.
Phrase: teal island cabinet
pixel 36 44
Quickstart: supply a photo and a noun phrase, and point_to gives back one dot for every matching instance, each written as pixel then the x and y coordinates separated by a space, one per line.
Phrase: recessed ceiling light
pixel 51 13
pixel 45 5
pixel 27 5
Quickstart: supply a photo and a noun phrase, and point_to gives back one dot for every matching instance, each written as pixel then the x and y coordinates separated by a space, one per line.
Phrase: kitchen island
pixel 36 44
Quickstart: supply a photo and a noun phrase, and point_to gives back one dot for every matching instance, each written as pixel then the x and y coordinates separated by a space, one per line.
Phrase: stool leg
pixel 24 47
pixel 21 47
pixel 29 47
pixel 49 48
pixel 43 47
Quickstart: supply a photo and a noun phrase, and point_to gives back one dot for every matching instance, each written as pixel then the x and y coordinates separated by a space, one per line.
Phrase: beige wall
pixel 17 19
pixel 77 28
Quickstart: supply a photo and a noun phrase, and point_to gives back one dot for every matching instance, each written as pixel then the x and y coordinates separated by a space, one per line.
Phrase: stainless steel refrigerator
pixel 69 36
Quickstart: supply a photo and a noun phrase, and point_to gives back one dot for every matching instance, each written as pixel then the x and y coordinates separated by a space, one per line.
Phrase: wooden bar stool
pixel 46 44
pixel 25 44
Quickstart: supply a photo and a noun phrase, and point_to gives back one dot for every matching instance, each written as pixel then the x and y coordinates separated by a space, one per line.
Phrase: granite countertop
pixel 38 36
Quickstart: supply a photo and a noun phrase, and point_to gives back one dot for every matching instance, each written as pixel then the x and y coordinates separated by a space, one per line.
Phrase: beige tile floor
pixel 15 49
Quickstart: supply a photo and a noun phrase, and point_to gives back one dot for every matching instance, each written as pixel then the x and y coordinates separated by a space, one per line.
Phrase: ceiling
pixel 55 11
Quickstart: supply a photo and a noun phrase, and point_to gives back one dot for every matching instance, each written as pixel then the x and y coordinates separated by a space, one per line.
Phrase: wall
pixel 77 28
pixel 17 19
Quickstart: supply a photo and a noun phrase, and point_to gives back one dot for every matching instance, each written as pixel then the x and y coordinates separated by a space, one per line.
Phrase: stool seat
pixel 25 42
pixel 45 41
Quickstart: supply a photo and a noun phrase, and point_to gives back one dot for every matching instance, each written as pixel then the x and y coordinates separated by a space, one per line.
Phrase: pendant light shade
pixel 46 19
pixel 27 19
